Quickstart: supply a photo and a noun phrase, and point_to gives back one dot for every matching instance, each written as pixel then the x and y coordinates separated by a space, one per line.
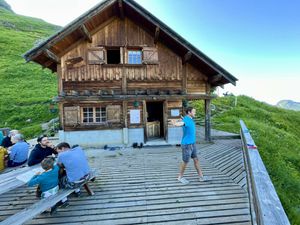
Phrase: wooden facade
pixel 120 67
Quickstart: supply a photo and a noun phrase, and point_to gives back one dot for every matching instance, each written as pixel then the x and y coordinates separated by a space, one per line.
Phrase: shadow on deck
pixel 140 187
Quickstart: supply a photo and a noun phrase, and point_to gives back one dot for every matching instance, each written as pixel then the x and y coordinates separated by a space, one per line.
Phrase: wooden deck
pixel 140 187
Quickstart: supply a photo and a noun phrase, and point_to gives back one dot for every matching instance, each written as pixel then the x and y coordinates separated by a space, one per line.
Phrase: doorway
pixel 155 121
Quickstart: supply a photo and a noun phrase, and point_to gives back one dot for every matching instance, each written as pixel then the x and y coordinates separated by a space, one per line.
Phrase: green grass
pixel 276 132
pixel 25 88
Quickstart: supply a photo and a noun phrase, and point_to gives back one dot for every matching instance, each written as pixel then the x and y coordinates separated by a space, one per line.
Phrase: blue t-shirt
pixel 75 163
pixel 46 180
pixel 19 152
pixel 189 131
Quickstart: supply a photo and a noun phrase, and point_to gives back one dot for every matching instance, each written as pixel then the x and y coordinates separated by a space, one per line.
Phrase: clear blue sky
pixel 258 41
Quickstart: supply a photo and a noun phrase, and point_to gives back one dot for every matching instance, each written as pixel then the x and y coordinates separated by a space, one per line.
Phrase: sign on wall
pixel 175 112
pixel 135 116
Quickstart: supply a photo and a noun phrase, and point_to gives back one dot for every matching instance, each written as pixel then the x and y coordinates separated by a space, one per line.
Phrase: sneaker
pixel 205 178
pixel 77 194
pixel 53 210
pixel 65 205
pixel 183 180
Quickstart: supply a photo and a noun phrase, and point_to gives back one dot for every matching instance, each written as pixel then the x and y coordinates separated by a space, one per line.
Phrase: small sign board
pixel 135 116
pixel 175 112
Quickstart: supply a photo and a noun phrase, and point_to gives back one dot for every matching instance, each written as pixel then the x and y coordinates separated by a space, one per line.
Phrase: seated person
pixel 75 164
pixel 6 142
pixel 41 150
pixel 3 155
pixel 18 152
pixel 47 181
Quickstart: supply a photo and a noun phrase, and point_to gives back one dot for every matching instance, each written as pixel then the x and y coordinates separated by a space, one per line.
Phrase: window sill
pixel 125 65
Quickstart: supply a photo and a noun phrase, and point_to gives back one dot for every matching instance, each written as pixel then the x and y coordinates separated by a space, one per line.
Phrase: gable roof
pixel 48 52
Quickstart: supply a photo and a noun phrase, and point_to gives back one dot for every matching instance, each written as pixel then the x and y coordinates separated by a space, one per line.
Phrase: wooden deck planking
pixel 141 187
pixel 229 161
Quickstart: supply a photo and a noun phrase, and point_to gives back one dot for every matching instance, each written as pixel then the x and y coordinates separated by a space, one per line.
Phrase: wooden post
pixel 60 90
pixel 207 120
pixel 88 189
pixel 145 119
pixel 184 79
pixel 165 122
pixel 125 121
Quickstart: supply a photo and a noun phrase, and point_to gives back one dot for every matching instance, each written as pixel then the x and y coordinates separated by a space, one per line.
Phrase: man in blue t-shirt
pixel 188 145
pixel 75 163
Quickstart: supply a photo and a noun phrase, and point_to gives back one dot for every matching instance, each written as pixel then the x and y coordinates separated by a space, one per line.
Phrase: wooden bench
pixel 9 181
pixel 44 204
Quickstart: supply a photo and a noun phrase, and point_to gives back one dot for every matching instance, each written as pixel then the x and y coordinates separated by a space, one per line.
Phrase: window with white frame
pixel 93 114
pixel 134 57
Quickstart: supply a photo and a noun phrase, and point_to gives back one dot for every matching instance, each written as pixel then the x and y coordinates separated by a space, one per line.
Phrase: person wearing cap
pixel 18 152
pixel 41 150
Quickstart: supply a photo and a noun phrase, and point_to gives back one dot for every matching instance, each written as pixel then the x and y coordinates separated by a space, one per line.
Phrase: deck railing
pixel 266 208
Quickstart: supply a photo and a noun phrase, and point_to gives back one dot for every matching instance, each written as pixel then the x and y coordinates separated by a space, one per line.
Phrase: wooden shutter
pixel 71 115
pixel 74 62
pixel 150 55
pixel 113 113
pixel 96 56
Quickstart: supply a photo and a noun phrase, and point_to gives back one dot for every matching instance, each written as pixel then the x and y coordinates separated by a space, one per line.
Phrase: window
pixel 134 57
pixel 93 114
pixel 113 56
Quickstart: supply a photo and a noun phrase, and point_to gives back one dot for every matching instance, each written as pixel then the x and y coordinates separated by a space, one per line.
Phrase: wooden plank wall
pixel 167 74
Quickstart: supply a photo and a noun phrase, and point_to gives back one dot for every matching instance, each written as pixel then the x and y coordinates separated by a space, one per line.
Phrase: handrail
pixel 267 205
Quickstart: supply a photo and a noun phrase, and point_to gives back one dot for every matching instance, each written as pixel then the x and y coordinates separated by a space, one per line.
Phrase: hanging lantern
pixel 136 104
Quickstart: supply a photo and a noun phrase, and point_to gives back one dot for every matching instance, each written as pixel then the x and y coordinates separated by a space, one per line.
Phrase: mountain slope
pixel 4 5
pixel 25 88
pixel 276 132
pixel 288 104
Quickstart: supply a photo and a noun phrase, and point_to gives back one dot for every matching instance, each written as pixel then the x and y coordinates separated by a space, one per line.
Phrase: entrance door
pixel 155 121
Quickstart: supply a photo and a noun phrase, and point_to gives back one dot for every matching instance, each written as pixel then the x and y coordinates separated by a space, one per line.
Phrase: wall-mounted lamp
pixel 136 104
pixel 185 103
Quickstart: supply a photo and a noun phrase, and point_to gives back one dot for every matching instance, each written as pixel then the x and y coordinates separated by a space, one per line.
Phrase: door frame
pixel 164 117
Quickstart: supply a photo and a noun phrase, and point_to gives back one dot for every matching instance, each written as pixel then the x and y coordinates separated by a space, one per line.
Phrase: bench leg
pixel 88 189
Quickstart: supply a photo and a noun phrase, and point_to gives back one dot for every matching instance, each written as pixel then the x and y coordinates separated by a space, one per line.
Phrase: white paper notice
pixel 175 112
pixel 135 116
pixel 25 177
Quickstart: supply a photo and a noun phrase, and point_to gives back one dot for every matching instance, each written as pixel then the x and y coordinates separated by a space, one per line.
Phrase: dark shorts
pixel 65 183
pixel 188 151
pixel 11 163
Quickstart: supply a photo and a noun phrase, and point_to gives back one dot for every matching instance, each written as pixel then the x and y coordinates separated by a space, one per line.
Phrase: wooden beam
pixel 184 79
pixel 207 121
pixel 121 9
pixel 187 57
pixel 215 78
pixel 47 64
pixel 86 33
pixel 52 56
pixel 157 30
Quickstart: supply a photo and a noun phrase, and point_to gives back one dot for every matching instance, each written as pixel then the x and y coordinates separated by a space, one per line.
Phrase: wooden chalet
pixel 124 76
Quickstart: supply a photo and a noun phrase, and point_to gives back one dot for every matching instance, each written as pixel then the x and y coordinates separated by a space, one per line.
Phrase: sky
pixel 257 41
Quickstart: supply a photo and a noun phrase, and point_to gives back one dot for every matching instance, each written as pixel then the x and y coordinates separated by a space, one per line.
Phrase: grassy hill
pixel 276 132
pixel 25 88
